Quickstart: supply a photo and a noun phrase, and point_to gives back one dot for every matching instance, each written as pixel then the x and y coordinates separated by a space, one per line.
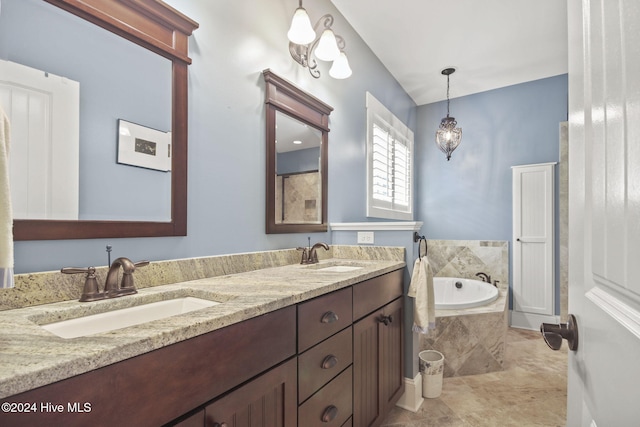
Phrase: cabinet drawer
pixel 319 364
pixel 322 317
pixel 331 406
pixel 374 293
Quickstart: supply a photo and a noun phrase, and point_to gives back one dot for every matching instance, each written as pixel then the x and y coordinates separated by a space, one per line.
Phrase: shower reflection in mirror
pixel 298 172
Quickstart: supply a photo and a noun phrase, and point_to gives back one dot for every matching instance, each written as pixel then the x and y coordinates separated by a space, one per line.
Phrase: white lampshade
pixel 327 49
pixel 301 31
pixel 340 68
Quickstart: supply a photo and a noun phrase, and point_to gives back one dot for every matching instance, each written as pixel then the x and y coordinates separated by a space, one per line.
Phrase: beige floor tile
pixel 530 392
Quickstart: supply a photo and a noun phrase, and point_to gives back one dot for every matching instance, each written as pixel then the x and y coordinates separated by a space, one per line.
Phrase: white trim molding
pixel 412 398
pixel 531 321
pixel 376 226
pixel 622 313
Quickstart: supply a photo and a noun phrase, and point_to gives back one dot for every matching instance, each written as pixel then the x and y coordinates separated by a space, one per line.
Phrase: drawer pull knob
pixel 329 317
pixel 220 425
pixel 386 319
pixel 329 414
pixel 329 362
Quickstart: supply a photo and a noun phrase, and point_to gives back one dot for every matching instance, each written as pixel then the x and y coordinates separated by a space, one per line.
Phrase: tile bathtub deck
pixel 531 391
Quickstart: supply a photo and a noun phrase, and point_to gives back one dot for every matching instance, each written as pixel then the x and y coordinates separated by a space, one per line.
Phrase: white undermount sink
pixel 130 316
pixel 339 268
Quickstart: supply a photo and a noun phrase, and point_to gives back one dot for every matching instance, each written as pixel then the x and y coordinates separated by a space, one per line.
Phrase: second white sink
pixel 122 318
pixel 339 268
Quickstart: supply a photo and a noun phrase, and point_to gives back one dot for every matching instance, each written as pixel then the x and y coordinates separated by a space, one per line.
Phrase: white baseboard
pixel 529 320
pixel 412 398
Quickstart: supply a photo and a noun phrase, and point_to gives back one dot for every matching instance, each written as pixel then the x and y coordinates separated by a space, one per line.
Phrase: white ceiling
pixel 491 43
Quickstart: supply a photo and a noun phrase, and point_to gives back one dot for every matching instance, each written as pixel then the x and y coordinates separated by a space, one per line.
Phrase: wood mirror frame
pixel 282 95
pixel 158 27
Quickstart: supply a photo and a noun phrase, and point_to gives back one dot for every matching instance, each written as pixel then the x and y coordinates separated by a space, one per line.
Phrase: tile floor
pixel 531 391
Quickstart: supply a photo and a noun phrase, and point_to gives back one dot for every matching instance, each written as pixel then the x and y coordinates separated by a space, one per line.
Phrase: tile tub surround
pixel 472 340
pixel 31 357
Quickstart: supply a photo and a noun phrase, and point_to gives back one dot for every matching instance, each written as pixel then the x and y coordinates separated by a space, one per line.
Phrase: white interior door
pixel 604 212
pixel 533 245
pixel 44 112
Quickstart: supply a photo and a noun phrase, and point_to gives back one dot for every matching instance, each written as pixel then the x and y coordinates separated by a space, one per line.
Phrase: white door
pixel 604 212
pixel 533 243
pixel 44 112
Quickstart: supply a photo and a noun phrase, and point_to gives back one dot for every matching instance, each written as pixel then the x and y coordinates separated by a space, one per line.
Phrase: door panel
pixel 604 207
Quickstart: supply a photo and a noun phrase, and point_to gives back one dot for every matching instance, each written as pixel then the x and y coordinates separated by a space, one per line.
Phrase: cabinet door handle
pixel 329 317
pixel 329 414
pixel 329 362
pixel 386 319
pixel 220 425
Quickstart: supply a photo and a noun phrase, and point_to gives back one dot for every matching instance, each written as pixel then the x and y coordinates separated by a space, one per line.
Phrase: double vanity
pixel 289 345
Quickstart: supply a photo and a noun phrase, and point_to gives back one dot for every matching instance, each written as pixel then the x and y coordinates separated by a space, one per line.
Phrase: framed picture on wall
pixel 143 147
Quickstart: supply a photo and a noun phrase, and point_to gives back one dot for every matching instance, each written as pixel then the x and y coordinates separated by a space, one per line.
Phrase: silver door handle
pixel 553 334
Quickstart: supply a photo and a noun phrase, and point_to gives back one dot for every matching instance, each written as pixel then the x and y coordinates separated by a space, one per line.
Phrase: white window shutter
pixel 389 164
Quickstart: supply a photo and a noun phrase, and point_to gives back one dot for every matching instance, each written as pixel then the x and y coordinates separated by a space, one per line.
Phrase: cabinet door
pixel 267 401
pixel 366 379
pixel 391 359
pixel 377 364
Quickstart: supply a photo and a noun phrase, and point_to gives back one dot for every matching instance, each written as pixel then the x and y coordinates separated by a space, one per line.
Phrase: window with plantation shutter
pixel 389 164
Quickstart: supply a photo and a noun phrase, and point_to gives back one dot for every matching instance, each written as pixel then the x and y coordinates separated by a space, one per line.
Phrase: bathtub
pixel 451 293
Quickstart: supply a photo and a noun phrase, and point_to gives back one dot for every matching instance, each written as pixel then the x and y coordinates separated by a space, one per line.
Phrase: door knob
pixel 553 334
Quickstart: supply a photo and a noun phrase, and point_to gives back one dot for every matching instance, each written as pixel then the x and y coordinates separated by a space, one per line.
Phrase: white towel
pixel 421 289
pixel 6 217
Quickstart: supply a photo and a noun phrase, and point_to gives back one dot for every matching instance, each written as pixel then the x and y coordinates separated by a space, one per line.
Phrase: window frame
pixel 378 115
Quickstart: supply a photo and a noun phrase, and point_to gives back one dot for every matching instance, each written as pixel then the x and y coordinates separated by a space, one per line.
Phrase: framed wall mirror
pixel 297 139
pixel 155 38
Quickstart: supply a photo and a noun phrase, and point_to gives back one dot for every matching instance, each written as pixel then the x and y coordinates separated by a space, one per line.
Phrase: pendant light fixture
pixel 448 136
pixel 305 46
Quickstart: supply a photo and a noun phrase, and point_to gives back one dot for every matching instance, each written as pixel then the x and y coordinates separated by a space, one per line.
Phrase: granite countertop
pixel 32 357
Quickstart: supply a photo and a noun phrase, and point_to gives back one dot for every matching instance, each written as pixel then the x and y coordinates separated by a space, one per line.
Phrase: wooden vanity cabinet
pixel 306 365
pixel 377 348
pixel 155 388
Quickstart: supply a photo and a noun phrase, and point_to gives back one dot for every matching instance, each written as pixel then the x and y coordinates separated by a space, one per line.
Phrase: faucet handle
pixel 90 292
pixel 305 255
pixel 126 286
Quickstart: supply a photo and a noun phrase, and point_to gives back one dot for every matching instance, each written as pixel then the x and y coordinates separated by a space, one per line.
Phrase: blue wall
pixel 235 42
pixel 298 161
pixel 469 197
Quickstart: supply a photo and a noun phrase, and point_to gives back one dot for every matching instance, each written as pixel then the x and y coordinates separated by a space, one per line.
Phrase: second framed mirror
pixel 297 139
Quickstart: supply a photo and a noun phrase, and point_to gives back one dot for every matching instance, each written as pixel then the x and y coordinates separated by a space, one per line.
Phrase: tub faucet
pixel 484 276
pixel 313 254
pixel 111 288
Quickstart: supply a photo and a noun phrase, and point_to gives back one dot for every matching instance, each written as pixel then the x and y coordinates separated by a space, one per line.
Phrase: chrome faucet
pixel 313 254
pixel 91 291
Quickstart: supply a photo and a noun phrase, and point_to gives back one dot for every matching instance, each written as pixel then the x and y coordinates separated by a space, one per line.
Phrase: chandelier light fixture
pixel 305 46
pixel 448 136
